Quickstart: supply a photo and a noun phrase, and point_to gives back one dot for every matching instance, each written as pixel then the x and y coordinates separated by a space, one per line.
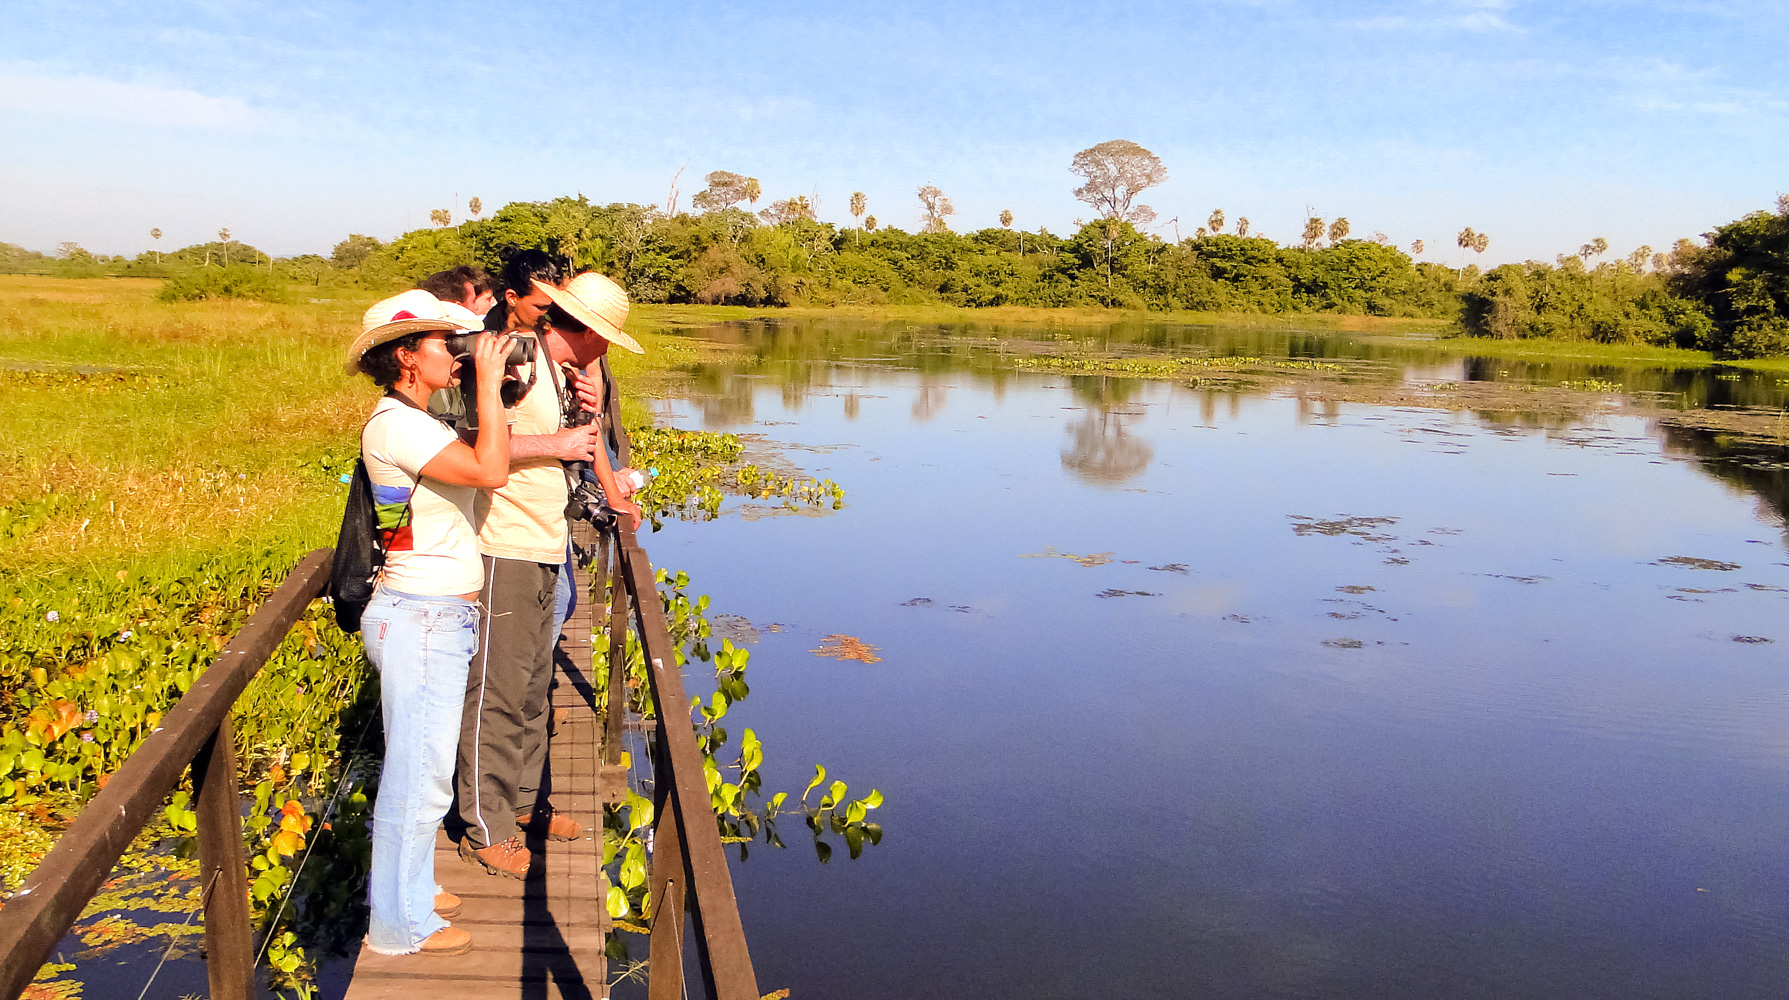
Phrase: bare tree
pixel 440 217
pixel 859 204
pixel 726 189
pixel 1116 172
pixel 156 235
pixel 1006 218
pixel 1660 262
pixel 475 206
pixel 223 236
pixel 1416 249
pixel 1242 225
pixel 1595 248
pixel 1381 239
pixel 1338 230
pixel 672 196
pixel 1313 231
pixel 1216 222
pixel 936 208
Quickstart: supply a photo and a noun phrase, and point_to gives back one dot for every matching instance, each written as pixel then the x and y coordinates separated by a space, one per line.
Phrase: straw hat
pixel 598 302
pixel 406 312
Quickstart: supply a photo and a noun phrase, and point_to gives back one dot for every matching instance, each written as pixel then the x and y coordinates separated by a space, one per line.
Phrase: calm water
pixel 1324 701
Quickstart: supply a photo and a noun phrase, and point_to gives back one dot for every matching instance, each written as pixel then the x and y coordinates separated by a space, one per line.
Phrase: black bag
pixel 358 554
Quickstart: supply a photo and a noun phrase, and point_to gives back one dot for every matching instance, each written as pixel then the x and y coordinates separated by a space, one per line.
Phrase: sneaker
pixel 447 905
pixel 558 826
pixel 447 941
pixel 506 858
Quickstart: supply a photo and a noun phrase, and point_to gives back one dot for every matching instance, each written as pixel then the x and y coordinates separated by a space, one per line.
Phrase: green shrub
pixel 238 281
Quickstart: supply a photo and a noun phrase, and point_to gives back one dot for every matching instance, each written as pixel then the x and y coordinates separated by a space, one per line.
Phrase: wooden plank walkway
pixel 539 939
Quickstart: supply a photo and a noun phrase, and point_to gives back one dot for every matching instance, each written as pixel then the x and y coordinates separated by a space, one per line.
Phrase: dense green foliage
pixel 1742 277
pixel 237 281
pixel 1611 304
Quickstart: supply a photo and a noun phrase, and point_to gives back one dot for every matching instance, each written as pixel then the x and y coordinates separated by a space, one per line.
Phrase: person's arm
pixel 612 493
pixel 573 444
pixel 485 463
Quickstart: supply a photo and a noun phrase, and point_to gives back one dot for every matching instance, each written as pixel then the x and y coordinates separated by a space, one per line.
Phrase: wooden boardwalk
pixel 539 939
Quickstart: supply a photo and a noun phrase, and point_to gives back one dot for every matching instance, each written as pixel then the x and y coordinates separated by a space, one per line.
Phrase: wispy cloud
pixel 93 98
pixel 1445 15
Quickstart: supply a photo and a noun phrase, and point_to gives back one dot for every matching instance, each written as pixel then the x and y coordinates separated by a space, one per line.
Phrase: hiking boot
pixel 447 905
pixel 447 941
pixel 558 826
pixel 506 858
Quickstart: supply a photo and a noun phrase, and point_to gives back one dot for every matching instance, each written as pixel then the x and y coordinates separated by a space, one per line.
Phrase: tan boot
pixel 557 826
pixel 506 858
pixel 447 941
pixel 447 905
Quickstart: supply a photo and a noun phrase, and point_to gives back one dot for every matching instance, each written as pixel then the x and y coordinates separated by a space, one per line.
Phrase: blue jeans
pixel 421 647
pixel 565 598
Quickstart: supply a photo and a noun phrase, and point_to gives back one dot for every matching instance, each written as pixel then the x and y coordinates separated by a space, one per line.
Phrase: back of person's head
pixel 461 284
pixel 524 267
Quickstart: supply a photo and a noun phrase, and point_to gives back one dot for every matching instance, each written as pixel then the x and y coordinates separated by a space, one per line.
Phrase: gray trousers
pixel 503 729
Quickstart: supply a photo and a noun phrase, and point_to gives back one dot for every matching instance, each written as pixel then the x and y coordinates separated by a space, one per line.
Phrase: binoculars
pixel 522 347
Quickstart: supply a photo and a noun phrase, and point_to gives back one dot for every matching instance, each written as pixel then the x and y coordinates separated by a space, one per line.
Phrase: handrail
pixel 195 731
pixel 689 865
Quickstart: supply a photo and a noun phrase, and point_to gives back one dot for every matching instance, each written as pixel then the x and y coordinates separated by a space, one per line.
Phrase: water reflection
pixel 1101 450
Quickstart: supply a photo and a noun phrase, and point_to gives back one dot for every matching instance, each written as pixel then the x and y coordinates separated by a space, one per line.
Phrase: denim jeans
pixel 565 600
pixel 421 647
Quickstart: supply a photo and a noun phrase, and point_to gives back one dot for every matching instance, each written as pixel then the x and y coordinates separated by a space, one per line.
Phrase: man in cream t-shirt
pixel 521 540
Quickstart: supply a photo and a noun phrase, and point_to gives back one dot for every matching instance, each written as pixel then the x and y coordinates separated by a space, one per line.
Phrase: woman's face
pixel 433 365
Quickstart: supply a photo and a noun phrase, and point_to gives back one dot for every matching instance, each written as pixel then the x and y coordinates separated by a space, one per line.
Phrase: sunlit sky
pixel 294 124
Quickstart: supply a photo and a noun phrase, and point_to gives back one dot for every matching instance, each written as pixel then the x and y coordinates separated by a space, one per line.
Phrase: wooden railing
pixel 689 875
pixel 196 732
pixel 689 866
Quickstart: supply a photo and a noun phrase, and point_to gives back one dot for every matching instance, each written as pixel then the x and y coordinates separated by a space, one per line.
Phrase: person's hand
pixel 488 354
pixel 628 507
pixel 576 444
pixel 624 482
pixel 589 390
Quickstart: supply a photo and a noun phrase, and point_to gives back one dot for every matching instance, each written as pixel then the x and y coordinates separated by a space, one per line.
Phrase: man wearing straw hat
pixel 522 537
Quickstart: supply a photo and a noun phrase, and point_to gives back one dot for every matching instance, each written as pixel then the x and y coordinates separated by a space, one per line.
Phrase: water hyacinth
pixel 52 617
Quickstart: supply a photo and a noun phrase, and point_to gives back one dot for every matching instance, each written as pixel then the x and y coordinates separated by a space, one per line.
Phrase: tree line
pixel 1729 294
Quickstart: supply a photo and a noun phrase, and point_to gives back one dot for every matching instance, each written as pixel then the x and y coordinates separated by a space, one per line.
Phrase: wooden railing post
pixel 229 935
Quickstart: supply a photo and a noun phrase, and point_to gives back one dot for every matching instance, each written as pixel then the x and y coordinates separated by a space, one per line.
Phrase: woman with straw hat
pixel 421 626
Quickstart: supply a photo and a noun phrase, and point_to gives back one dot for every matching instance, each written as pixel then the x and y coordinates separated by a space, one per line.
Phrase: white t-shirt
pixel 430 547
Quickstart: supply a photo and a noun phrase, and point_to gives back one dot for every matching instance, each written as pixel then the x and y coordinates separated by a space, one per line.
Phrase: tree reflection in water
pixel 1102 452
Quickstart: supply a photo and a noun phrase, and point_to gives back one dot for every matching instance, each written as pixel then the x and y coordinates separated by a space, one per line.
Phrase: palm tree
pixel 440 217
pixel 1216 222
pixel 156 234
pixel 223 236
pixel 1479 242
pixel 1006 218
pixel 1595 248
pixel 1416 249
pixel 1338 230
pixel 475 206
pixel 753 190
pixel 1466 239
pixel 1242 225
pixel 859 203
pixel 1313 231
pixel 869 224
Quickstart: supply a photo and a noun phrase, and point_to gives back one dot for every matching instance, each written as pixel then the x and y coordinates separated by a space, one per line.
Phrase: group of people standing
pixel 471 509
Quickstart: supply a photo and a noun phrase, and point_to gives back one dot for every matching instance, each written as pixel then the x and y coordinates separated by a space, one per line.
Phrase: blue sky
pixel 293 124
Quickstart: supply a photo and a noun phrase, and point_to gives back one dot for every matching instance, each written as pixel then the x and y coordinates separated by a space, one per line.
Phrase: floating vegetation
pixel 1125 593
pixel 1164 368
pixel 847 647
pixel 1049 552
pixel 1343 643
pixel 1355 588
pixel 1306 525
pixel 1692 562
pixel 1591 385
pixel 1171 568
pixel 1752 639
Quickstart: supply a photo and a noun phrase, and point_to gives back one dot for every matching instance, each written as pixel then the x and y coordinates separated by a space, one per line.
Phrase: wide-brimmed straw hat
pixel 598 302
pixel 406 312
